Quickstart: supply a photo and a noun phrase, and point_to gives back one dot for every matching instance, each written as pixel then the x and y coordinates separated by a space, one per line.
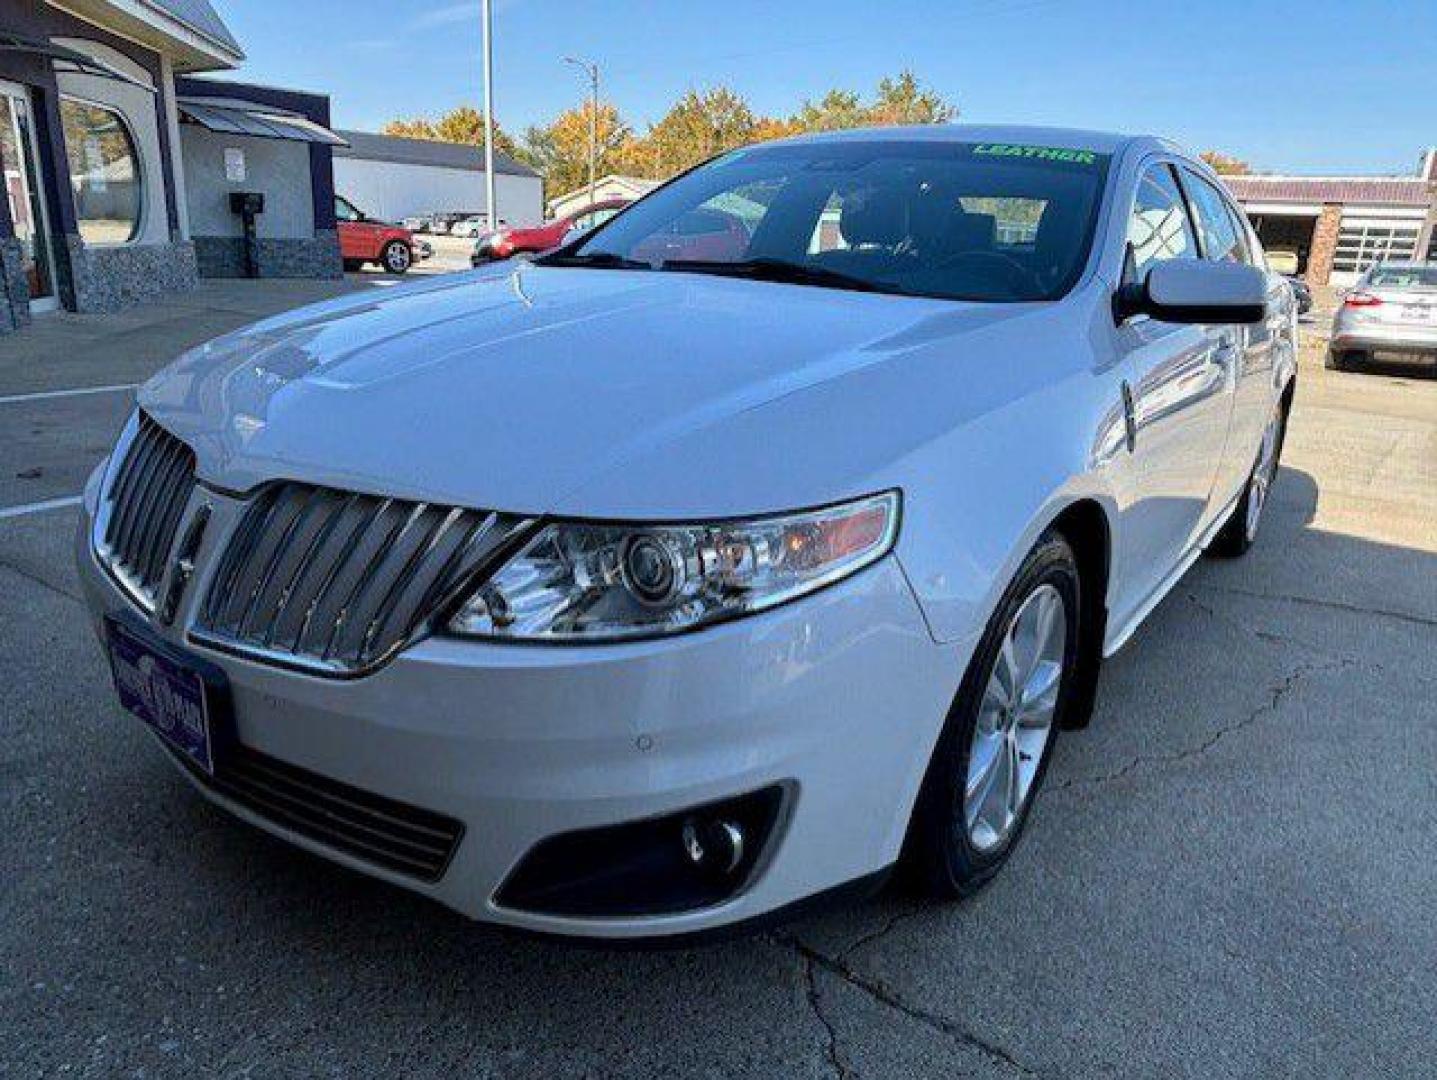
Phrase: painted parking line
pixel 46 395
pixel 40 507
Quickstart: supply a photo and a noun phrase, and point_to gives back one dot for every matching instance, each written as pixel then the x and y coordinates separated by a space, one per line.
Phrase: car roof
pixel 1102 142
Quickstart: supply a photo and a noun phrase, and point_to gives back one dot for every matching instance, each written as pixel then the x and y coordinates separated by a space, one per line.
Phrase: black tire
pixel 396 257
pixel 1334 361
pixel 1239 531
pixel 940 849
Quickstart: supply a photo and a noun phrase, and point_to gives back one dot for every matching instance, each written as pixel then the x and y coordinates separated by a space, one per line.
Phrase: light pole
pixel 592 70
pixel 491 211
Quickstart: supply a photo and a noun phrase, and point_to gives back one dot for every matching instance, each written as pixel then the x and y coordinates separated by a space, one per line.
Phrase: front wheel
pixel 396 257
pixel 999 735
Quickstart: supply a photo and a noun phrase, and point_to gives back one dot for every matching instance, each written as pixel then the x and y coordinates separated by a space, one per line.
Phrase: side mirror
pixel 572 233
pixel 1195 291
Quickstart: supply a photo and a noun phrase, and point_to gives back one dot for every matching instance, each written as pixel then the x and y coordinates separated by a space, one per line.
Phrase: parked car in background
pixel 1301 292
pixel 470 226
pixel 647 595
pixel 419 223
pixel 362 239
pixel 1285 261
pixel 504 242
pixel 1389 317
pixel 423 249
pixel 441 221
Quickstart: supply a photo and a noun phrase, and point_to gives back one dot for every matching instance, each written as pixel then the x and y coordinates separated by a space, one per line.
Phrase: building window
pixel 1360 244
pixel 105 172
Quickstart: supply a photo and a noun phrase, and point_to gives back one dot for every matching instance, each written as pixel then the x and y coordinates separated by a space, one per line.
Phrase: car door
pixel 1177 397
pixel 1246 351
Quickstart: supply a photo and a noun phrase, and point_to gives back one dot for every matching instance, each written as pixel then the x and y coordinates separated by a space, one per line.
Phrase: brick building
pixel 1338 226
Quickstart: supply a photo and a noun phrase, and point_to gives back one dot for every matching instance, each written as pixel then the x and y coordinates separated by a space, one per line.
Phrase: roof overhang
pixel 188 46
pixel 233 116
pixel 66 59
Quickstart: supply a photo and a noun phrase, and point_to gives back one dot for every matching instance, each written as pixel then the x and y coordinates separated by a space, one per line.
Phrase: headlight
pixel 587 582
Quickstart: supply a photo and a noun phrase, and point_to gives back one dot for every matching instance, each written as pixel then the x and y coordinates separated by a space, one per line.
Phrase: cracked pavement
pixel 1232 873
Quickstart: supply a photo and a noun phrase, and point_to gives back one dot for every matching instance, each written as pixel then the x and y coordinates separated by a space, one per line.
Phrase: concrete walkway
pixel 65 351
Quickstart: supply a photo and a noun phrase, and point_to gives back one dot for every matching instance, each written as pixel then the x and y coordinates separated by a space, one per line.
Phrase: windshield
pixel 964 221
pixel 1404 277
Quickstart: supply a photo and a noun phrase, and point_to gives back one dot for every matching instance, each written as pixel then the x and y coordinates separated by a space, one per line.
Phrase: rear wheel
pixel 396 257
pixel 1334 361
pixel 1240 530
pixel 1000 731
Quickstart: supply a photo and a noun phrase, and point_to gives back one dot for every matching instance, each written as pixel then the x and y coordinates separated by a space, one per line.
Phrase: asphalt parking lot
pixel 1233 873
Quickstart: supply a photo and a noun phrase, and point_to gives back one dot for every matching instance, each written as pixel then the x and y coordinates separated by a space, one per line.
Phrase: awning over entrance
pixel 232 116
pixel 67 59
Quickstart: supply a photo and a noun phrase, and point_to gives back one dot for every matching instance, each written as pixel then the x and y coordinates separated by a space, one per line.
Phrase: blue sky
pixel 1290 85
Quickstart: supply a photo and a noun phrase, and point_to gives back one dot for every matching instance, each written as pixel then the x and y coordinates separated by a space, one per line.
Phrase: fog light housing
pixel 685 861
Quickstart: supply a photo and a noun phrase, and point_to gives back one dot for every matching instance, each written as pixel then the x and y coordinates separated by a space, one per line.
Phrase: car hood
pixel 554 390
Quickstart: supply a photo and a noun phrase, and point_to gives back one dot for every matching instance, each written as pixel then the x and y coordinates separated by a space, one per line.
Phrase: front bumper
pixel 839 697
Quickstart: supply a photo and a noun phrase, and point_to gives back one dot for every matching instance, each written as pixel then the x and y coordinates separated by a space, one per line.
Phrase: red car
pixel 504 242
pixel 364 240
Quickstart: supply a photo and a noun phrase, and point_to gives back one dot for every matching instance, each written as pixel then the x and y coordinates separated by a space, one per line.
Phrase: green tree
pixel 838 109
pixel 560 149
pixel 462 125
pixel 1225 164
pixel 904 101
pixel 899 100
pixel 698 126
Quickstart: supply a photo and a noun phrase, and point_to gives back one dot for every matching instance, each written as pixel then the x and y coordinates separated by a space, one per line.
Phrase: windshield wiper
pixel 602 260
pixel 780 270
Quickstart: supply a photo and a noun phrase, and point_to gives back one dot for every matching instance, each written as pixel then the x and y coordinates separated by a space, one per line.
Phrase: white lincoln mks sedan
pixel 761 538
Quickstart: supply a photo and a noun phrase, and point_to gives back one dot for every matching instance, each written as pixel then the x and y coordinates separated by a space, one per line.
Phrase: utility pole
pixel 592 70
pixel 491 211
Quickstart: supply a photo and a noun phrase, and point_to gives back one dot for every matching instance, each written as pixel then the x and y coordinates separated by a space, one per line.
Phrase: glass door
pixel 20 166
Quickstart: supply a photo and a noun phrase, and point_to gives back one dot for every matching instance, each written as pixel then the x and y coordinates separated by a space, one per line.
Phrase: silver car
pixel 1389 317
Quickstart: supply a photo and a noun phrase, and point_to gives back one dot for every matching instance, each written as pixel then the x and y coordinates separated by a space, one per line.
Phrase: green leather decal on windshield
pixel 1041 153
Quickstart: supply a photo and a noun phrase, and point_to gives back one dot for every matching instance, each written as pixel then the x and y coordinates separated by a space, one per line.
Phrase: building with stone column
pixel 1335 227
pixel 119 166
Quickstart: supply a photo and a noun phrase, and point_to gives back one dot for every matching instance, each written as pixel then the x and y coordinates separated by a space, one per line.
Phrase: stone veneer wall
pixel 14 286
pixel 223 257
pixel 106 279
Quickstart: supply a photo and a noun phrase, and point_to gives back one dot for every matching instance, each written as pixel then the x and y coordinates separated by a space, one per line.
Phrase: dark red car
pixel 504 242
pixel 364 240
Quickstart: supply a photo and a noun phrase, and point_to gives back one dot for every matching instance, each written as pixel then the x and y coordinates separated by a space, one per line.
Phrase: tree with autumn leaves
pixel 700 124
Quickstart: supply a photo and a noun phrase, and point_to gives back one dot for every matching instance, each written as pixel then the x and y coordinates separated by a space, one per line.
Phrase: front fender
pixel 995 486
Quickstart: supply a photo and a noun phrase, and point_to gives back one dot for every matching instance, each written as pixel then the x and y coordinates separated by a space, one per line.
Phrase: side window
pixel 1160 228
pixel 344 210
pixel 1219 236
pixel 1248 247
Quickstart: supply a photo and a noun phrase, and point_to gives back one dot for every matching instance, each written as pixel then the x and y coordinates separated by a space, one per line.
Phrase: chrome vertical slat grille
pixel 335 582
pixel 143 506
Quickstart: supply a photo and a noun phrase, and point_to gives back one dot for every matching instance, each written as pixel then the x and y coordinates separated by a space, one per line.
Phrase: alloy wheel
pixel 1015 718
pixel 1262 475
pixel 397 258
